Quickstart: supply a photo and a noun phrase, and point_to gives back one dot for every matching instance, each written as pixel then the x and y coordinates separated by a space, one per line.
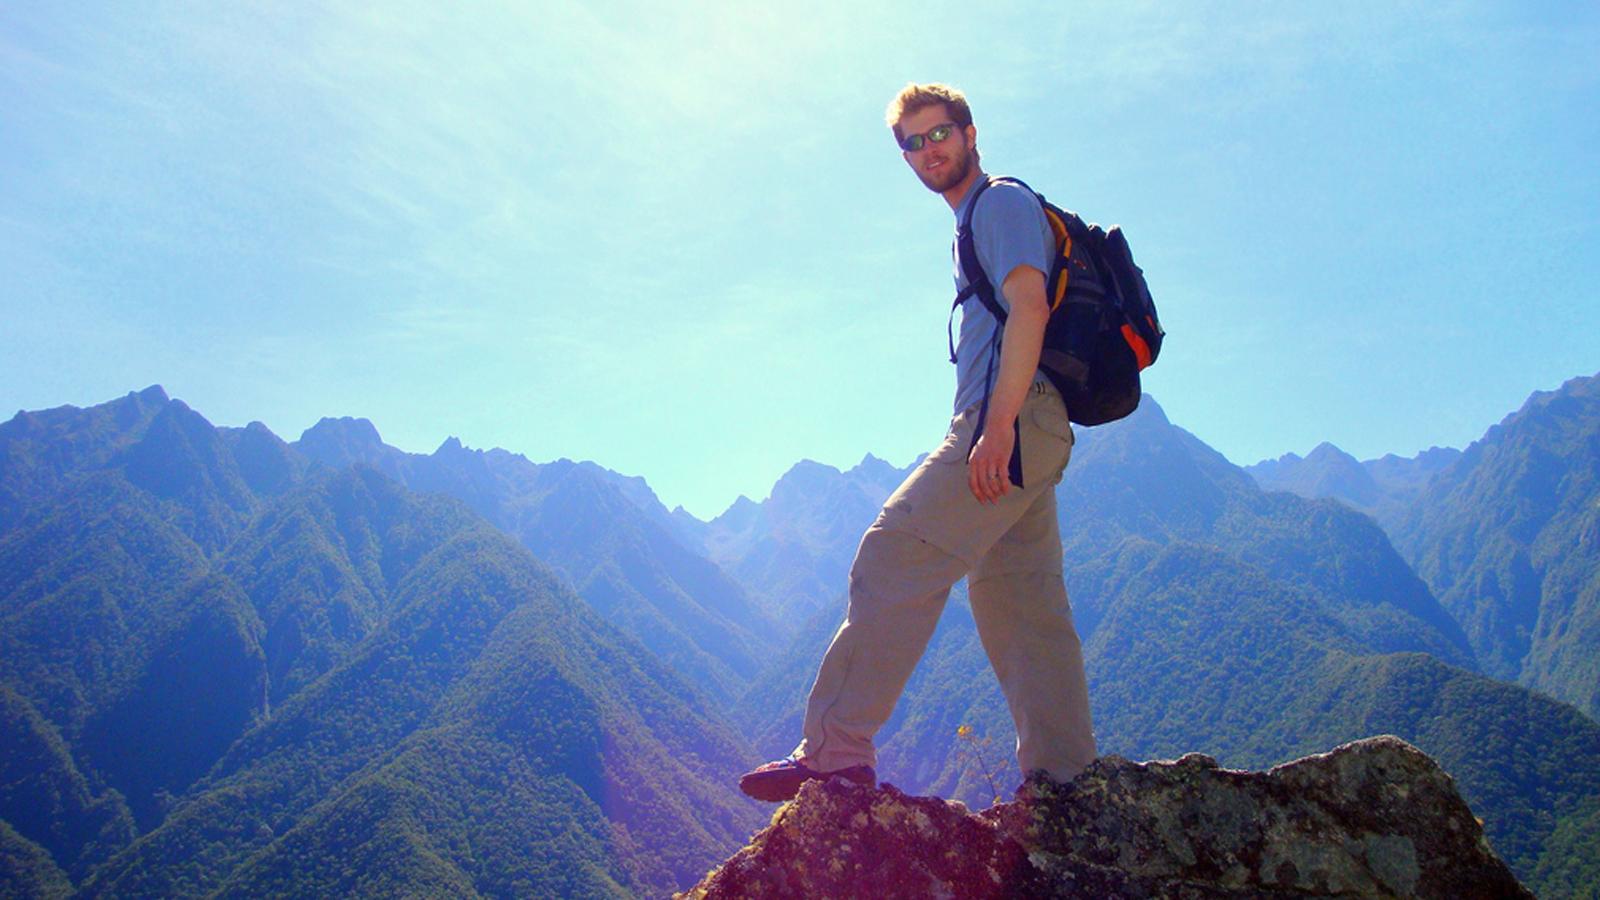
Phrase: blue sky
pixel 674 238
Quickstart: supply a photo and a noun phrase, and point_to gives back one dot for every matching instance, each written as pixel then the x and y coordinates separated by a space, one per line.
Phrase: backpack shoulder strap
pixel 978 283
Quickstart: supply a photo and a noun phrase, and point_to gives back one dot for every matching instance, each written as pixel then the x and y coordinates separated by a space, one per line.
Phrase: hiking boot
pixel 780 780
pixel 1037 786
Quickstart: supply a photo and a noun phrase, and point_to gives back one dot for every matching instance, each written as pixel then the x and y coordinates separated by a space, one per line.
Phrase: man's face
pixel 943 165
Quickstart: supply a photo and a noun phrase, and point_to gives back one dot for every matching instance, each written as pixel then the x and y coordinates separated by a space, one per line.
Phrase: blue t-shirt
pixel 1008 230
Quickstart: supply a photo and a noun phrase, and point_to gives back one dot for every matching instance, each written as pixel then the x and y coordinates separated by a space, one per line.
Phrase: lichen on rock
pixel 1373 819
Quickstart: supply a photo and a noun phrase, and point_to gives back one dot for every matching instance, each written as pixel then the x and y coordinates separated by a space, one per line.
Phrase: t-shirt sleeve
pixel 1009 230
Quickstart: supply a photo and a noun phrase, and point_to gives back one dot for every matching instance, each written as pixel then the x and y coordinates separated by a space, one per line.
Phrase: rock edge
pixel 1376 818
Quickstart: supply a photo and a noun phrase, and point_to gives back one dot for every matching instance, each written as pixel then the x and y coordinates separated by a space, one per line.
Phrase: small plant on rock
pixel 973 753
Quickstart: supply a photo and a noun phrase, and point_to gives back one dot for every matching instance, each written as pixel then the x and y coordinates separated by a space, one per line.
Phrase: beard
pixel 947 176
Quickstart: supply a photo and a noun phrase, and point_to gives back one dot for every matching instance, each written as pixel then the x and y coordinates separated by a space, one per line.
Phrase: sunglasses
pixel 911 143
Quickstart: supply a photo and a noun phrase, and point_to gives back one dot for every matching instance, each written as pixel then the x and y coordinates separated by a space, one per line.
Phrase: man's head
pixel 914 98
pixel 933 126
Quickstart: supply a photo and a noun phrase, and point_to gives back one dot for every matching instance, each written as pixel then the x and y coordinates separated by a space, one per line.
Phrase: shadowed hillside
pixel 1503 533
pixel 227 671
pixel 794 548
pixel 595 529
pixel 1509 538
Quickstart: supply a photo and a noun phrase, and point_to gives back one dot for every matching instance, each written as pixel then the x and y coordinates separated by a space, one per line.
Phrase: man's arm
pixel 1020 344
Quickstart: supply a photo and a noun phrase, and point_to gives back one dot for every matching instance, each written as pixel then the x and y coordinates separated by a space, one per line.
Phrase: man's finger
pixel 988 487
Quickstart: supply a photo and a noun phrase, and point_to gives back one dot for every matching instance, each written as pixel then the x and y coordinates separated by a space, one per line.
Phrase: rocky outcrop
pixel 1373 819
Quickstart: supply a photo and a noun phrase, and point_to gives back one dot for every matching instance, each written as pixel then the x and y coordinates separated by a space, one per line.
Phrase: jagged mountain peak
pixel 340 441
pixel 1583 387
pixel 740 514
pixel 1382 488
pixel 1411 473
pixel 635 488
pixel 871 461
pixel 805 479
pixel 1326 451
pixel 1326 471
pixel 81 436
pixel 154 395
pixel 1286 459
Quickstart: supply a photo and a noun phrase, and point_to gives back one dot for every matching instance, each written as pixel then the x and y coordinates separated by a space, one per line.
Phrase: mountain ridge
pixel 595 528
pixel 1215 614
pixel 1523 499
pixel 1505 534
pixel 227 689
pixel 1382 488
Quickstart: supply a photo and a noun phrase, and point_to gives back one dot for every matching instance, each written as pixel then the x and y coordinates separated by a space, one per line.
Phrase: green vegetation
pixel 1509 539
pixel 247 676
pixel 585 524
pixel 227 670
pixel 1570 864
pixel 976 752
pixel 26 870
pixel 1524 763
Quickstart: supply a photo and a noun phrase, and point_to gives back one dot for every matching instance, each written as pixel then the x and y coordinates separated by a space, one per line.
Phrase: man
pixel 959 514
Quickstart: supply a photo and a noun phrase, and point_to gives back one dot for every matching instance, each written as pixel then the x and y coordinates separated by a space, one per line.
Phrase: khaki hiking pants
pixel 930 534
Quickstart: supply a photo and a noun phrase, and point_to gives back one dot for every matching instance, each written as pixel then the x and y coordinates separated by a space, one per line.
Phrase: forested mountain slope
pixel 232 668
pixel 1509 538
pixel 1504 533
pixel 227 671
pixel 578 520
pixel 1145 478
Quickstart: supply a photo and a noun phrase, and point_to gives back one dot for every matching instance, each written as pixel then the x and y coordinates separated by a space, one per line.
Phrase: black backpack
pixel 1103 328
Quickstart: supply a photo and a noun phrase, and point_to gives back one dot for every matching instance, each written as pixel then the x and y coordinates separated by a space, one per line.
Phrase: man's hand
pixel 989 467
pixel 990 463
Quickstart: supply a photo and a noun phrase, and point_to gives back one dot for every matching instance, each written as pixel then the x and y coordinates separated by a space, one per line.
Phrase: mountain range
pixel 592 527
pixel 1382 488
pixel 232 671
pixel 1506 534
pixel 235 666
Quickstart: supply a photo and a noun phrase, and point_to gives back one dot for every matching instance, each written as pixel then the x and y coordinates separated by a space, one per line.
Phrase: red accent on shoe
pixel 781 779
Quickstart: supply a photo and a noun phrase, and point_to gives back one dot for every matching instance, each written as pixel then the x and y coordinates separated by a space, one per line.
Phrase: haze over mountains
pixel 238 667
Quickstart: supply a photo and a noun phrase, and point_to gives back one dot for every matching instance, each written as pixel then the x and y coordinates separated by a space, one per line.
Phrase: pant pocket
pixel 1048 414
pixel 1051 438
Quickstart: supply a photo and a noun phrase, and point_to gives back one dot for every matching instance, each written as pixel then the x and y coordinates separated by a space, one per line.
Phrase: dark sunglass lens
pixel 912 144
pixel 938 135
